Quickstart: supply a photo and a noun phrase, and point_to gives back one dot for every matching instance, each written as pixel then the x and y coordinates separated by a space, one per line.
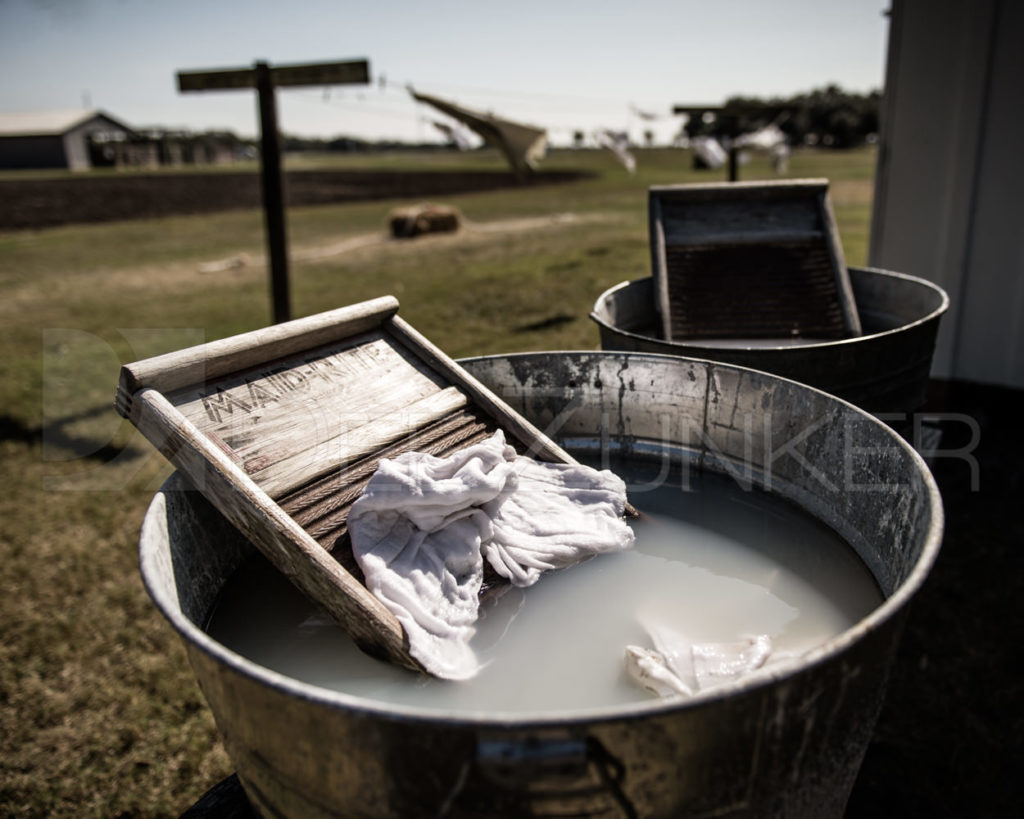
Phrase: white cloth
pixel 678 666
pixel 710 151
pixel 618 143
pixel 423 525
pixel 523 145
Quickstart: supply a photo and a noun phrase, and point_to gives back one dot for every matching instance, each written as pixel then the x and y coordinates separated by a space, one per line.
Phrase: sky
pixel 564 65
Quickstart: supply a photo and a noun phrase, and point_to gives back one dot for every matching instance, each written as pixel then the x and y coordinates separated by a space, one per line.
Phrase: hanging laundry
pixel 618 143
pixel 523 145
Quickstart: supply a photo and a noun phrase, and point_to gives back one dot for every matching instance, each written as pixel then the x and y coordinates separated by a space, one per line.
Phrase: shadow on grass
pixel 55 437
pixel 546 323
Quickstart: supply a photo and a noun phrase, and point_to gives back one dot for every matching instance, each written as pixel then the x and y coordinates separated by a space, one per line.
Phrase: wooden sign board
pixel 350 72
pixel 749 261
pixel 281 428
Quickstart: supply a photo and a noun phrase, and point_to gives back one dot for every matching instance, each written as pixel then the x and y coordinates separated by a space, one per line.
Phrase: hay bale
pixel 419 219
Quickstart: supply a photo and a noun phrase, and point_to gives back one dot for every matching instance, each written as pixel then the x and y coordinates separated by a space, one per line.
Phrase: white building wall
pixel 951 175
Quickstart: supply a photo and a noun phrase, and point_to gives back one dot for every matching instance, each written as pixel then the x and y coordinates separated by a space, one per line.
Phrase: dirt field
pixel 38 203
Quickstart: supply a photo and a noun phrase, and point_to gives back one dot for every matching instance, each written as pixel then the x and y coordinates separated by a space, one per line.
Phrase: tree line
pixel 829 117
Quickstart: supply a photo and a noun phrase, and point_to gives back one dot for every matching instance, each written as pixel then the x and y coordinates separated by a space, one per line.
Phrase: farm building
pixel 77 139
pixel 80 139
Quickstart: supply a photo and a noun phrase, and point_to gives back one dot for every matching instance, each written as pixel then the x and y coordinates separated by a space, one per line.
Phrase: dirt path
pixel 468 232
pixel 177 277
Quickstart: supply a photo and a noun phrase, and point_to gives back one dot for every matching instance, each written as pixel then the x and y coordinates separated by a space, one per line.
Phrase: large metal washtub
pixel 782 743
pixel 884 371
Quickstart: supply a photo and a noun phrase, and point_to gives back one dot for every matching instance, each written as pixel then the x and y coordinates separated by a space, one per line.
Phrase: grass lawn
pixel 99 712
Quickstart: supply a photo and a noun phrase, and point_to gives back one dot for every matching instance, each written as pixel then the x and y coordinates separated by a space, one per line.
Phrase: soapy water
pixel 712 562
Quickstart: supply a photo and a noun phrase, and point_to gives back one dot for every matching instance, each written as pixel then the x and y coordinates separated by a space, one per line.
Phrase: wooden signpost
pixel 731 116
pixel 265 78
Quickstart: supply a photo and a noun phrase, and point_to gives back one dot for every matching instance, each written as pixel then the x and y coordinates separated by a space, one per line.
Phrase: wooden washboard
pixel 749 260
pixel 281 429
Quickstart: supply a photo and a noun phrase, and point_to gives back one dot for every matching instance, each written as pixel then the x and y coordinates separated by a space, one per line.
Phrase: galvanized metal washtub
pixel 884 371
pixel 786 742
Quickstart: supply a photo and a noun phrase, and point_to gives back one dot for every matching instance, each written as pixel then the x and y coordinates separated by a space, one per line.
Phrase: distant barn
pixel 76 139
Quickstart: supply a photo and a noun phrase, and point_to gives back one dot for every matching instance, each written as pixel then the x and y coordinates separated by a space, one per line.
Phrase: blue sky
pixel 561 64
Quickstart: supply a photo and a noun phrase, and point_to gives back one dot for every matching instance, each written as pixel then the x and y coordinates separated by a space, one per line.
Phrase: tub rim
pixel 697 350
pixel 755 683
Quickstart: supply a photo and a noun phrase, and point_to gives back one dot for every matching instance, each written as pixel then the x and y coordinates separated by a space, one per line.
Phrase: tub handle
pixel 546 776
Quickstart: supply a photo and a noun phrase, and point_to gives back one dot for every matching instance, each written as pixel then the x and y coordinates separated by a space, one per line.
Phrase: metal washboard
pixel 749 260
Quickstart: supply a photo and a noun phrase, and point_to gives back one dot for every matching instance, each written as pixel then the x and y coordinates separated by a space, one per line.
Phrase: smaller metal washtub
pixel 883 371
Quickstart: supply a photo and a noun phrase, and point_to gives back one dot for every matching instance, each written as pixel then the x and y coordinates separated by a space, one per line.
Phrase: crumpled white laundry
pixel 677 665
pixel 423 526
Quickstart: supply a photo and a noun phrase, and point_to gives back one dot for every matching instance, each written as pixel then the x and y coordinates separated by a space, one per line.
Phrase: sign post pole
pixel 265 79
pixel 272 185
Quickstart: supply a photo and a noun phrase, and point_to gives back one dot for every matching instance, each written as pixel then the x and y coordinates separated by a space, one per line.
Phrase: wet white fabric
pixel 424 525
pixel 677 665
pixel 557 515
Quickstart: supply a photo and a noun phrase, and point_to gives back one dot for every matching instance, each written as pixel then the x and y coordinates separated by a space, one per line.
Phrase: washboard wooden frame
pixel 749 260
pixel 281 428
